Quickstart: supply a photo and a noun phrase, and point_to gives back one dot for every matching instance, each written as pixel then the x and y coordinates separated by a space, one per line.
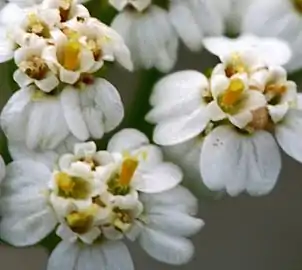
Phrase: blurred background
pixel 240 233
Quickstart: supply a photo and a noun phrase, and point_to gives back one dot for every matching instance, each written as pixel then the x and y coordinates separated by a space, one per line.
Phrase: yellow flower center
pixel 70 59
pixel 128 169
pixel 72 187
pixel 232 95
pixel 81 222
pixel 37 26
pixel 273 92
pixel 235 66
pixel 34 67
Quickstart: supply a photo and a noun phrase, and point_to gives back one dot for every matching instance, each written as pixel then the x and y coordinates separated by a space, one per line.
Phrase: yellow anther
pixel 233 93
pixel 80 222
pixel 71 54
pixel 37 26
pixel 128 169
pixel 65 183
pixel 236 66
pixel 278 89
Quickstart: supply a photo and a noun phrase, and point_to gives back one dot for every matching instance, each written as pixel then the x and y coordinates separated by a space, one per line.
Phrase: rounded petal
pixel 160 178
pixel 70 101
pixel 109 101
pixel 108 255
pixel 236 162
pixel 68 76
pixel 181 129
pixel 174 222
pixel 127 140
pixel 21 78
pixel 177 199
pixel 46 134
pixel 165 248
pixel 26 214
pixel 48 83
pixel 14 115
pixel 288 134
pixel 85 149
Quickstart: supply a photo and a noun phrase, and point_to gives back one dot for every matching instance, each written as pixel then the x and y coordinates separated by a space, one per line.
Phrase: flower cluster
pixel 97 198
pixel 223 126
pixel 58 48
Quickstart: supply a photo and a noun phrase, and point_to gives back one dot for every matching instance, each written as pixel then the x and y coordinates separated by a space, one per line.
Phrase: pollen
pixel 233 93
pixel 37 26
pixel 128 169
pixel 80 222
pixel 72 187
pixel 34 67
pixel 70 54
pixel 235 66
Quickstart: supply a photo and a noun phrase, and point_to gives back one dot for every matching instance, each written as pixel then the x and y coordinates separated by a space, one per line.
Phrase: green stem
pixel 140 106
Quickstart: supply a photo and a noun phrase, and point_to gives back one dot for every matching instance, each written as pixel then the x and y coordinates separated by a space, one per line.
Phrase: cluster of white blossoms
pixel 58 48
pixel 224 126
pixel 95 199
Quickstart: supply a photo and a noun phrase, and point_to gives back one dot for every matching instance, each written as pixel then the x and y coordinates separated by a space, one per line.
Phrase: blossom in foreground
pixel 281 19
pixel 95 199
pixel 60 95
pixel 148 32
pixel 248 101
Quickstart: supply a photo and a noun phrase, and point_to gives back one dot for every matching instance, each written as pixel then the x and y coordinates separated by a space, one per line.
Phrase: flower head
pixel 96 198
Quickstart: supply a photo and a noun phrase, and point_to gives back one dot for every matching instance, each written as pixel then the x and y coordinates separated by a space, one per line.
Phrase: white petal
pixel 177 199
pixel 85 149
pixel 160 178
pixel 238 162
pixel 19 151
pixel 288 134
pixel 181 129
pixel 21 78
pixel 68 76
pixel 26 214
pixel 277 112
pixel 94 121
pixel 127 140
pixel 48 83
pixel 173 222
pixel 109 101
pixel 46 134
pixel 72 111
pixel 166 248
pixel 14 115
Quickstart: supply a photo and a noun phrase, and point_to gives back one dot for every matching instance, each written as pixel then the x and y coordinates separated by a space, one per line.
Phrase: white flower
pixel 167 221
pixel 103 41
pixel 233 99
pixel 194 19
pixel 180 110
pixel 269 24
pixel 32 68
pixel 88 210
pixel 89 112
pixel 68 57
pixel 149 36
pixel 151 175
pixel 273 51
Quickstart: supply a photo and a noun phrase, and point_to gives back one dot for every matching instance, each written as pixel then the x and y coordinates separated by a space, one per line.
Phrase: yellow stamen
pixel 81 222
pixel 37 26
pixel 236 66
pixel 278 89
pixel 70 54
pixel 65 183
pixel 128 169
pixel 233 93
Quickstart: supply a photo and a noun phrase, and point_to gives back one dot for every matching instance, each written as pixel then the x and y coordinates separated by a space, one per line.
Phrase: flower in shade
pixel 281 19
pixel 148 33
pixel 249 101
pixel 95 199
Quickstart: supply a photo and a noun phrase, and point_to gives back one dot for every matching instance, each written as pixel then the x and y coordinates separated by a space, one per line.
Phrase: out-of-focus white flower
pixel 32 68
pixel 195 19
pixel 180 103
pixel 272 50
pixel 90 195
pixel 281 19
pixel 2 169
pixel 248 99
pixel 148 33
